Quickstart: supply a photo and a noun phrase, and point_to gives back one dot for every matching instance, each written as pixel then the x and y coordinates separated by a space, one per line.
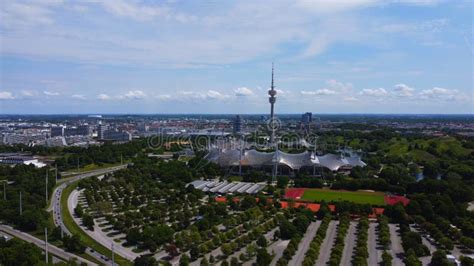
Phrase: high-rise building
pixel 115 135
pixel 82 130
pixel 57 131
pixel 237 124
pixel 100 131
pixel 306 120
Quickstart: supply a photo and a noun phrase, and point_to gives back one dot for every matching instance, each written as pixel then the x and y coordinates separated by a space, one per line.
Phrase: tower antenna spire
pixel 273 87
pixel 272 99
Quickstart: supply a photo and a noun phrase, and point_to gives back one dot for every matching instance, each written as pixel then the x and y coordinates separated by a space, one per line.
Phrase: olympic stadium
pixel 246 156
pixel 293 162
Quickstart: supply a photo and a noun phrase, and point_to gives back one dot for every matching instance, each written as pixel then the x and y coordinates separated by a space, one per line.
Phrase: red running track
pixel 294 193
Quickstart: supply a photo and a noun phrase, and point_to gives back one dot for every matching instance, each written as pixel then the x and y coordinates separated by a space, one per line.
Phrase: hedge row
pixel 361 252
pixel 313 252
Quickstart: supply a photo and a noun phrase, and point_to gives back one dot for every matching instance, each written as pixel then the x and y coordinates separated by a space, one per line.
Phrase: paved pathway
pixel 304 243
pixel 97 234
pixel 326 246
pixel 375 253
pixel 349 244
pixel 396 249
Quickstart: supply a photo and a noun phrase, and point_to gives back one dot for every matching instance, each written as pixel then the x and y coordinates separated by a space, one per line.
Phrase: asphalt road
pixel 349 245
pixel 55 205
pixel 40 243
pixel 375 254
pixel 304 243
pixel 396 249
pixel 328 242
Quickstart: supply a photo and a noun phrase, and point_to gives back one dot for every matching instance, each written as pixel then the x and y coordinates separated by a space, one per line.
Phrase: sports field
pixel 362 197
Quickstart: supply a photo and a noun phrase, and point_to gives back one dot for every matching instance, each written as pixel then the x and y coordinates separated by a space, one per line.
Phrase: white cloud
pixel 404 90
pixel 78 96
pixel 28 93
pixel 103 97
pixel 192 96
pixel 212 94
pixel 134 94
pixel 319 92
pixel 350 99
pixel 51 93
pixel 332 6
pixel 18 14
pixel 6 95
pixel 163 97
pixel 338 86
pixel 243 91
pixel 374 92
pixel 444 94
pixel 133 10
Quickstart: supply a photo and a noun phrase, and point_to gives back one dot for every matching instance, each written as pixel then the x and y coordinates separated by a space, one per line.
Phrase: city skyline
pixel 175 57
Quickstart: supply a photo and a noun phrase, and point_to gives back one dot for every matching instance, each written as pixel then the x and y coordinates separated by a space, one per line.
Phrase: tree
pixel 263 258
pixel 184 261
pixel 248 202
pixel 78 210
pixel 88 221
pixel 56 233
pixel 17 252
pixel 446 243
pixel 234 261
pixel 133 236
pixel 194 252
pixel 386 259
pixel 287 229
pixel 262 241
pixel 226 249
pixel 145 260
pixel 282 181
pixel 301 223
pixel 439 259
pixel 411 259
pixel 204 262
pixel 172 250
pixel 73 244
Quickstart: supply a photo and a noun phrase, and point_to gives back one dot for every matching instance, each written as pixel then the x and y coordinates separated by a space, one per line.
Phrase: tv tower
pixel 272 99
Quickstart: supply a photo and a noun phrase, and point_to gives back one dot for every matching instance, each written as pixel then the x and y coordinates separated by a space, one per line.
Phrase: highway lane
pixel 55 204
pixel 40 243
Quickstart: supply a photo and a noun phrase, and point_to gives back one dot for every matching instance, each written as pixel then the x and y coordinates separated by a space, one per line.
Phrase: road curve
pixel 55 204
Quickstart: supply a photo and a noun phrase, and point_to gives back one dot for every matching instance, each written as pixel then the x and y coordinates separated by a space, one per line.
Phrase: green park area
pixel 328 195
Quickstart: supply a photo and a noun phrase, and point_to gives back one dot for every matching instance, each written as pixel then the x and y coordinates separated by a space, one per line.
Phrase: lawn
pixel 362 197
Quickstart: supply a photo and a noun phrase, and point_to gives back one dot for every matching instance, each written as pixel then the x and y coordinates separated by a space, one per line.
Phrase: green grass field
pixel 362 197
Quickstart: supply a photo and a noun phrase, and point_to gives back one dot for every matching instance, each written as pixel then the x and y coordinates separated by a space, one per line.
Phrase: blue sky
pixel 176 56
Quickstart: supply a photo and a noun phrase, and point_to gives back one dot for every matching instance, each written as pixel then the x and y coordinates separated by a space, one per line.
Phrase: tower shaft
pixel 272 99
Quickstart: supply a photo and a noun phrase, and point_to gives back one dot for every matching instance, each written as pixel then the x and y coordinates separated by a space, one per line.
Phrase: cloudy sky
pixel 212 56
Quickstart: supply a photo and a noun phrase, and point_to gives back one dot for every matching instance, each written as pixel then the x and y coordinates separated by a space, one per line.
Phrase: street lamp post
pixel 46 244
pixel 21 207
